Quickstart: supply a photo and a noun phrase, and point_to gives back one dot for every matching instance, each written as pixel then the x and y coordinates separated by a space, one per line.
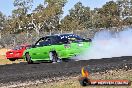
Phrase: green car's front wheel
pixel 28 58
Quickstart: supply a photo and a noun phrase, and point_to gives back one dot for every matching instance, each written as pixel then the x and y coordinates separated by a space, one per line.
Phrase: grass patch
pixel 4 61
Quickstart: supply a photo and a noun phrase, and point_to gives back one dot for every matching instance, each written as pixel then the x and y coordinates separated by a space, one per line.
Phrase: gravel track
pixel 30 72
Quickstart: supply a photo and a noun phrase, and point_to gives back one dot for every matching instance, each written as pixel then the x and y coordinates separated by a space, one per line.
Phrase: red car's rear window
pixel 17 48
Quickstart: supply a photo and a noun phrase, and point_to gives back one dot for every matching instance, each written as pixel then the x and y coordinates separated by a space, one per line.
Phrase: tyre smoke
pixel 106 44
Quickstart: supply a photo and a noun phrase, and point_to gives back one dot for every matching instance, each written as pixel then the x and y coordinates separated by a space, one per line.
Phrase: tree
pixel 19 14
pixel 39 8
pixel 2 23
pixel 79 18
pixel 21 7
pixel 56 7
pixel 107 16
pixel 47 16
pixel 127 21
pixel 125 8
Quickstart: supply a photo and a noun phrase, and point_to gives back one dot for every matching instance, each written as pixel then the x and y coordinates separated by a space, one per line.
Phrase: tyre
pixel 28 58
pixel 11 59
pixel 53 57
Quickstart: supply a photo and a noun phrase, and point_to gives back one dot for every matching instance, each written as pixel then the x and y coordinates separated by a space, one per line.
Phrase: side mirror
pixel 33 46
pixel 87 40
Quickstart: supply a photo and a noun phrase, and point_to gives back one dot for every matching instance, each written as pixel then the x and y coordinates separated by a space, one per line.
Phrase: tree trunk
pixel 14 42
pixel 0 35
pixel 27 33
pixel 37 27
pixel 37 31
pixel 61 31
pixel 50 32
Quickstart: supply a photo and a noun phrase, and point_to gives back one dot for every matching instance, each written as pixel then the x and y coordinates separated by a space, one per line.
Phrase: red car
pixel 16 52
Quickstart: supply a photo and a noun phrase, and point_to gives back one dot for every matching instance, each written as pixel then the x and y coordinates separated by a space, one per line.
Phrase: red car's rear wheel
pixel 12 59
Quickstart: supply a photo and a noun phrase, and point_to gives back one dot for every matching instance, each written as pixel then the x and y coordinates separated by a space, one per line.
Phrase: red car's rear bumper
pixel 13 56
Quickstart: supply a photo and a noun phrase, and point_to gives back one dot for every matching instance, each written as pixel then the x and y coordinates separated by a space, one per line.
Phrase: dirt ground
pixel 3 51
pixel 72 82
pixel 2 57
pixel 23 74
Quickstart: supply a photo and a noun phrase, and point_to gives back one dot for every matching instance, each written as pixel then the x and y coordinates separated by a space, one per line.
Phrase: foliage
pixel 2 23
pixel 47 17
pixel 79 18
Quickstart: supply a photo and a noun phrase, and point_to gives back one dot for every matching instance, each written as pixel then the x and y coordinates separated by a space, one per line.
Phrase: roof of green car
pixel 60 35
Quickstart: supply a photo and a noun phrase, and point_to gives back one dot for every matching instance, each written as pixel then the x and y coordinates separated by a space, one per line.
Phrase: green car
pixel 56 47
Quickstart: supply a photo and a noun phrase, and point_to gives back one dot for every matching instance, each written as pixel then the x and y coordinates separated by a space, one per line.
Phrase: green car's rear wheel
pixel 28 58
pixel 54 56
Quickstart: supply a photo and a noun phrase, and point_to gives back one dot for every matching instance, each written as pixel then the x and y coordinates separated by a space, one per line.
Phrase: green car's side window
pixel 43 42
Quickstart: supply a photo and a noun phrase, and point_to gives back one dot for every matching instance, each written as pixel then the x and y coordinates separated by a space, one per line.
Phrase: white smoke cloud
pixel 106 44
